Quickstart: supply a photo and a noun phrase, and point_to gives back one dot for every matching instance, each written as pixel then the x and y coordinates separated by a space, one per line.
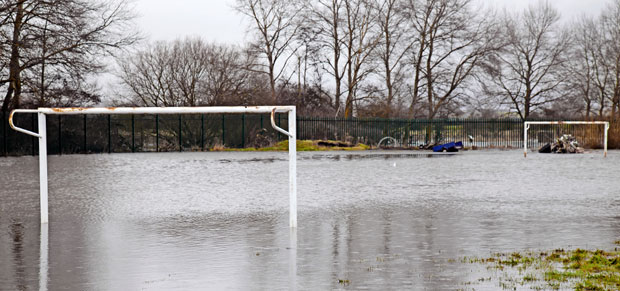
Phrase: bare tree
pixel 6 9
pixel 451 42
pixel 326 15
pixel 360 41
pixel 275 24
pixel 187 73
pixel 229 77
pixel 146 73
pixel 528 72
pixel 589 76
pixel 189 62
pixel 348 35
pixel 59 36
pixel 393 48
pixel 308 49
pixel 611 27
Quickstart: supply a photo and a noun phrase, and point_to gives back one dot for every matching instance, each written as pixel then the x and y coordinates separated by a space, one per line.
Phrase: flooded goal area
pixel 367 220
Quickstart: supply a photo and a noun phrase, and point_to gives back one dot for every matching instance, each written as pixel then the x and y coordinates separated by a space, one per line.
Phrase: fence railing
pixel 417 132
pixel 196 132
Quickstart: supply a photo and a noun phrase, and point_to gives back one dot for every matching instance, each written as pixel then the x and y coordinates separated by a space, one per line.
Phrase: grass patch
pixel 345 282
pixel 576 269
pixel 302 146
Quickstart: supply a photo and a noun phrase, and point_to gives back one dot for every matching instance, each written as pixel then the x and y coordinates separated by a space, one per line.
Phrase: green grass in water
pixel 580 270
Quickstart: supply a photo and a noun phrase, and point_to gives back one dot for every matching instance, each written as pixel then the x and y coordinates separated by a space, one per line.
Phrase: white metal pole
pixel 526 126
pixel 292 166
pixel 43 257
pixel 606 135
pixel 292 263
pixel 42 135
pixel 43 168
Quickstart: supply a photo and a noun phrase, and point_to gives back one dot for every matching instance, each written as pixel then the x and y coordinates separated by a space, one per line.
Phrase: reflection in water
pixel 43 256
pixel 17 234
pixel 292 261
pixel 376 156
pixel 195 221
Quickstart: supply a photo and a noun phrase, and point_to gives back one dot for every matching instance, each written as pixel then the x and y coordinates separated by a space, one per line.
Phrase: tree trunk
pixel 14 91
pixel 615 106
pixel 526 109
pixel 527 100
pixel 7 98
pixel 429 81
pixel 348 109
pixel 390 96
pixel 388 70
pixel 272 81
pixel 337 52
pixel 601 110
pixel 416 81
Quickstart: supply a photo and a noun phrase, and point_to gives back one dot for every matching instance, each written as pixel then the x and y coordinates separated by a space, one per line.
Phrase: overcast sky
pixel 215 20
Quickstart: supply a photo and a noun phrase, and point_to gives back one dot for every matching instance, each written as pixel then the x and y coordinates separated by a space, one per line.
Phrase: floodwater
pixel 367 220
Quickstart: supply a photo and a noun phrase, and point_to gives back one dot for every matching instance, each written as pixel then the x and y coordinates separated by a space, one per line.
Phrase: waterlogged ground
pixel 367 220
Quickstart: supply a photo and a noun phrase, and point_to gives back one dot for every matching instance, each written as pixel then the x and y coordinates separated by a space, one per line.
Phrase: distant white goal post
pixel 527 124
pixel 42 136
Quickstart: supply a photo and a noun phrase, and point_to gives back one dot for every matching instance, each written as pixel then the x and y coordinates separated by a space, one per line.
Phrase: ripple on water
pixel 376 220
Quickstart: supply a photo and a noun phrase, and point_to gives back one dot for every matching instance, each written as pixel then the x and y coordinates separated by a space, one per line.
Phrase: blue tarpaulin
pixel 448 147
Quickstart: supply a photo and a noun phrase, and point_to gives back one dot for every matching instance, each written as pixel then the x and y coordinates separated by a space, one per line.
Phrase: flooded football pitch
pixel 367 220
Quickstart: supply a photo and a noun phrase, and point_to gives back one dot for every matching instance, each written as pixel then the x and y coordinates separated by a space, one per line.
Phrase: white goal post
pixel 42 136
pixel 527 124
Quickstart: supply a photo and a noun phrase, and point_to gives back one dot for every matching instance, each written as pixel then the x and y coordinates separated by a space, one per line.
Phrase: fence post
pixel 133 133
pixel 156 132
pixel 85 150
pixel 109 134
pixel 243 130
pixel 180 133
pixel 202 132
pixel 223 130
pixel 60 135
pixel 33 139
pixel 4 140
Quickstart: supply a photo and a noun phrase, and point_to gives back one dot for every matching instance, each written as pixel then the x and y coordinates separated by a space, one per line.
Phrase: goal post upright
pixel 292 167
pixel 526 127
pixel 44 200
pixel 42 136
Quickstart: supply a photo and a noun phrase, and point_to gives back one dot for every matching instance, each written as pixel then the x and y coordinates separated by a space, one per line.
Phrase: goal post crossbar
pixel 42 136
pixel 527 124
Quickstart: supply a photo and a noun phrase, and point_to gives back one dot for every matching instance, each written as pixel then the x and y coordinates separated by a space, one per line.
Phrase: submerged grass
pixel 302 146
pixel 581 270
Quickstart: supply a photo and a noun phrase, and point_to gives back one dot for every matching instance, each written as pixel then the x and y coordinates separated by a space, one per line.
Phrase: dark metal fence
pixel 481 133
pixel 68 134
pixel 415 133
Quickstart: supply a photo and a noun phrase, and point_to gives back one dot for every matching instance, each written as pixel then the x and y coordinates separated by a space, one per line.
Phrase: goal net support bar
pixel 527 124
pixel 42 136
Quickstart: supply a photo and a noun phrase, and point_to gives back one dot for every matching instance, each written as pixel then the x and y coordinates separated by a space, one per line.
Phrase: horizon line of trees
pixel 346 58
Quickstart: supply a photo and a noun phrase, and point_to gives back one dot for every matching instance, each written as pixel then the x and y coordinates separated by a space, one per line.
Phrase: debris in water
pixel 344 282
pixel 451 147
pixel 563 145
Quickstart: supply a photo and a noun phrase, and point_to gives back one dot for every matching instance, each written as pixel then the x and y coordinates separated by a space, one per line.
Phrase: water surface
pixel 367 220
